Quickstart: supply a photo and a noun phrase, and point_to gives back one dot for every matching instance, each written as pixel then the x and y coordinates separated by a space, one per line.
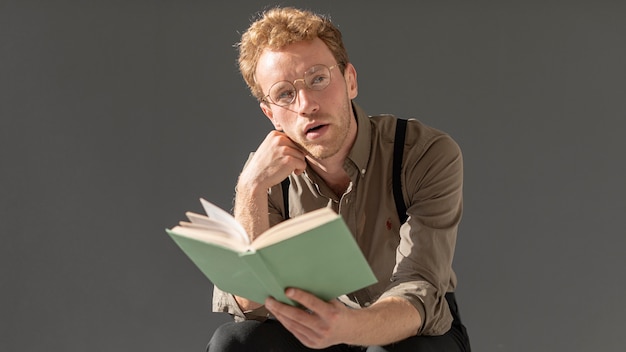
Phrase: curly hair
pixel 279 27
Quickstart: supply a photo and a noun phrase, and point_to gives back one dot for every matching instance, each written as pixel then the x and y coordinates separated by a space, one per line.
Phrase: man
pixel 335 156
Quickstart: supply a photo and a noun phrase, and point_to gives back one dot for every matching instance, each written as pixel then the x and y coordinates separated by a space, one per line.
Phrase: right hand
pixel 276 158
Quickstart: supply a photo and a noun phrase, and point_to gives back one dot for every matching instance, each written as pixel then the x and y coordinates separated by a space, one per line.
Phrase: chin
pixel 322 153
pixel 325 150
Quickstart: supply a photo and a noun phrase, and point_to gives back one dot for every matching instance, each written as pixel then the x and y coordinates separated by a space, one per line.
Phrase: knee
pixel 223 339
pixel 232 337
pixel 251 335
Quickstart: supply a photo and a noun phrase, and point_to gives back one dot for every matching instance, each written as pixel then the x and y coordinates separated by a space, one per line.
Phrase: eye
pixel 318 77
pixel 282 93
pixel 285 96
pixel 320 80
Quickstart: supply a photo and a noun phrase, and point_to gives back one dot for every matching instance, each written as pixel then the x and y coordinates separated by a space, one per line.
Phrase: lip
pixel 310 126
pixel 315 130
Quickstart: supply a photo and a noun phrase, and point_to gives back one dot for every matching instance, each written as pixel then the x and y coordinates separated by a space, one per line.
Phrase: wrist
pixel 246 305
pixel 249 187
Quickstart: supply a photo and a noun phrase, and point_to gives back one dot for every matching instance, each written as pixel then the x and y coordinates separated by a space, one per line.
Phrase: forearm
pixel 251 212
pixel 389 320
pixel 274 160
pixel 251 209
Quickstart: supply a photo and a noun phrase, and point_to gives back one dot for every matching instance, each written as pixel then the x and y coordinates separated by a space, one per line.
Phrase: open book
pixel 314 252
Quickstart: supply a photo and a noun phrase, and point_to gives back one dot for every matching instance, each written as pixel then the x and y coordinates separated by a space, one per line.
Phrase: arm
pixel 330 323
pixel 423 272
pixel 250 204
pixel 414 301
pixel 274 160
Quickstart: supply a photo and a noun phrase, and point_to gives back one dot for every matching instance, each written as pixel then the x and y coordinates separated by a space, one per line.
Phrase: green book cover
pixel 314 252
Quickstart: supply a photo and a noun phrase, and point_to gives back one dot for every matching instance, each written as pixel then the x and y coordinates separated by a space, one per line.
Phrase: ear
pixel 351 82
pixel 270 115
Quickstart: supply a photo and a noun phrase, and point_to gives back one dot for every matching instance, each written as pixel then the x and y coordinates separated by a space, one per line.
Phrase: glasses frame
pixel 268 99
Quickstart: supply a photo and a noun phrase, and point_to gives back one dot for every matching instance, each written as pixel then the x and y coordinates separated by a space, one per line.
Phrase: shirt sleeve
pixel 224 302
pixel 433 183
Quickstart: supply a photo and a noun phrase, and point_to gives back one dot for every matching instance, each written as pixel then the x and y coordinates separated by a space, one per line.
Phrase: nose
pixel 307 102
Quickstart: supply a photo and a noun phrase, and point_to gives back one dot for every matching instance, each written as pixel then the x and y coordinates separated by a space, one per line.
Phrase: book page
pixel 198 219
pixel 213 236
pixel 294 226
pixel 213 226
pixel 218 214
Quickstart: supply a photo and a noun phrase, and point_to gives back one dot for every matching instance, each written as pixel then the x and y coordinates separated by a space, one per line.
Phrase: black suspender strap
pixel 398 151
pixel 285 186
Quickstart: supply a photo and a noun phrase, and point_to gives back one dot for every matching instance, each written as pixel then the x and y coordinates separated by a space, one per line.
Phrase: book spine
pixel 269 281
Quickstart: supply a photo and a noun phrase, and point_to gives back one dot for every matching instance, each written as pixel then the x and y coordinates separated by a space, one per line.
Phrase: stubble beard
pixel 335 139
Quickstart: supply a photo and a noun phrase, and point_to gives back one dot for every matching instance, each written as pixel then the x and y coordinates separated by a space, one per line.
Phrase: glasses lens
pixel 282 93
pixel 317 77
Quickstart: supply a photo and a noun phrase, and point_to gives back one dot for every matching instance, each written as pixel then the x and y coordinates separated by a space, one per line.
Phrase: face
pixel 320 121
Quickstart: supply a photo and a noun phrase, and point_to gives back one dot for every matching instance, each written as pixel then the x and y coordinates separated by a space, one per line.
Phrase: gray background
pixel 116 116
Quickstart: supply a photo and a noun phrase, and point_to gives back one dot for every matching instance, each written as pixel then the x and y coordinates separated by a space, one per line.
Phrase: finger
pixel 290 141
pixel 274 160
pixel 309 301
pixel 284 146
pixel 308 336
pixel 281 309
pixel 292 317
pixel 300 323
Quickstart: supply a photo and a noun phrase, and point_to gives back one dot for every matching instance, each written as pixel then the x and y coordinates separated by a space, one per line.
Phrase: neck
pixel 333 174
pixel 329 166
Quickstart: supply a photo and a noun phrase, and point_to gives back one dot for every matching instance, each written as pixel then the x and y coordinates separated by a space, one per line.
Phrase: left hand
pixel 323 324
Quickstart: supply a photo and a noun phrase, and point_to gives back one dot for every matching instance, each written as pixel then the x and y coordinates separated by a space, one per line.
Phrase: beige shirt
pixel 411 260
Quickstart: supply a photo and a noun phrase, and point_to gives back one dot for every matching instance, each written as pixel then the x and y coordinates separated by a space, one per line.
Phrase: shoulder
pixel 426 138
pixel 419 137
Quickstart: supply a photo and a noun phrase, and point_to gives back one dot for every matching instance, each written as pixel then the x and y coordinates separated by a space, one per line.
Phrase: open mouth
pixel 316 128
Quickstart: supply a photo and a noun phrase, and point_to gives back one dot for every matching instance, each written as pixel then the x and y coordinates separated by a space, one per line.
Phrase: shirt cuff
pixel 224 302
pixel 433 310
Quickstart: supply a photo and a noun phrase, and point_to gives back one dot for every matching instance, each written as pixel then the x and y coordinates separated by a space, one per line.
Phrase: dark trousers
pixel 270 335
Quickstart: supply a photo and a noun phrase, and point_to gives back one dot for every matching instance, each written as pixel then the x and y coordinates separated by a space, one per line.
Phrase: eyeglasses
pixel 284 93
